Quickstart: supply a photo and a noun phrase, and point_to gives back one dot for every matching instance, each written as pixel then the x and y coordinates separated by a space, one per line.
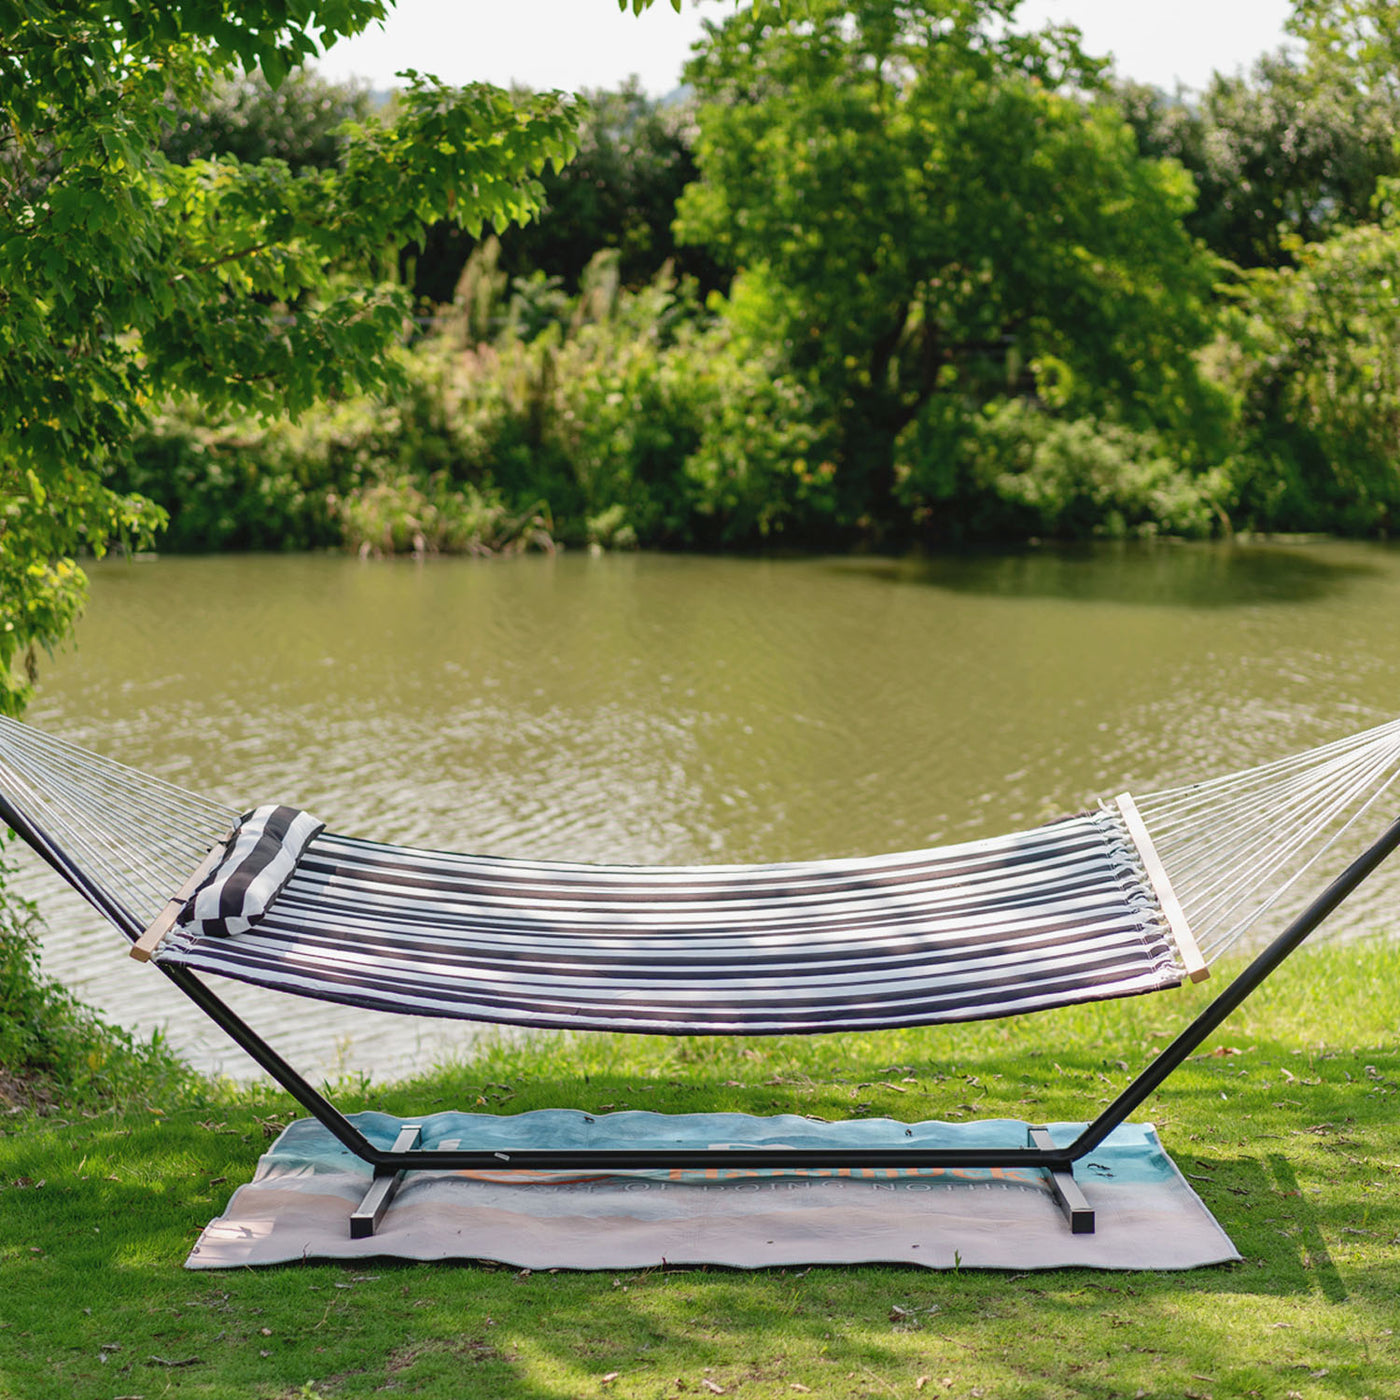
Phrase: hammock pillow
pixel 261 856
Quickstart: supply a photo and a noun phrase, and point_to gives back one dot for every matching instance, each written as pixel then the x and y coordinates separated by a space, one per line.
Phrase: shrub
pixel 1011 469
pixel 621 417
pixel 54 1050
pixel 405 517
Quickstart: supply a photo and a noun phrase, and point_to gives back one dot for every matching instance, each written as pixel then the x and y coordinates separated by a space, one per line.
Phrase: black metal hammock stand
pixel 1135 897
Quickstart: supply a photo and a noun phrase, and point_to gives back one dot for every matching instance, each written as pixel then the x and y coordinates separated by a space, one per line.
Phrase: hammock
pixel 1132 898
pixel 988 929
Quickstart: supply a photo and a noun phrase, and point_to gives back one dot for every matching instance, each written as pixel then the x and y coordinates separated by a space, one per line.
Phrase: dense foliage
pixel 891 271
pixel 1292 152
pixel 1314 354
pixel 125 275
pixel 619 192
pixel 924 207
pixel 968 306
pixel 616 416
pixel 55 1051
pixel 245 117
pixel 619 417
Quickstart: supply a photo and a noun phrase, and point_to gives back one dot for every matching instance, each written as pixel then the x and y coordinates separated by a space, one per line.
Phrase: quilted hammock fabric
pixel 1061 914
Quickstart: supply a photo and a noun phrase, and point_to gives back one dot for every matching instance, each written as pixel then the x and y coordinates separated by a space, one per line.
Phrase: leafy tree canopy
pixel 124 276
pixel 1296 149
pixel 244 116
pixel 1359 39
pixel 923 202
pixel 619 191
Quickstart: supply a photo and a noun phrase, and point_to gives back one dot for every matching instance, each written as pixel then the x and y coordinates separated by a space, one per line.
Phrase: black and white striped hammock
pixel 987 929
pixel 1132 898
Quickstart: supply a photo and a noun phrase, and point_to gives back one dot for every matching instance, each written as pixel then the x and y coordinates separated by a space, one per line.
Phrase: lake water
pixel 658 709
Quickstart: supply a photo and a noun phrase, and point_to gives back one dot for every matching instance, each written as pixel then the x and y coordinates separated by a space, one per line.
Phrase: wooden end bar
pixel 143 950
pixel 1191 958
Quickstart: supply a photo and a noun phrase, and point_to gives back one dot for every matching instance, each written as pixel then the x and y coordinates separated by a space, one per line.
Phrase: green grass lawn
pixel 1286 1126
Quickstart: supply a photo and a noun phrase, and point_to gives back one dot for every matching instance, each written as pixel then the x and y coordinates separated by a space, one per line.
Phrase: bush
pixel 54 1050
pixel 621 417
pixel 757 473
pixel 406 517
pixel 579 403
pixel 237 483
pixel 614 417
pixel 643 421
pixel 1312 355
pixel 232 484
pixel 1012 470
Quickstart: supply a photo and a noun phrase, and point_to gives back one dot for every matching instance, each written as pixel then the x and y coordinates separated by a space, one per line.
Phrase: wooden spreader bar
pixel 1186 944
pixel 144 949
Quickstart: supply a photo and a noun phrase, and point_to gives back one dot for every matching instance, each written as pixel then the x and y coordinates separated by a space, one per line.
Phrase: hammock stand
pixel 1040 1152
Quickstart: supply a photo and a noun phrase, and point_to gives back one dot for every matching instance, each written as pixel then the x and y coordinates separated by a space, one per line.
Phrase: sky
pixel 575 44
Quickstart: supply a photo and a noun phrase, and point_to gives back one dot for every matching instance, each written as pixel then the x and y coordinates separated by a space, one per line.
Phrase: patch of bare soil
pixel 23 1091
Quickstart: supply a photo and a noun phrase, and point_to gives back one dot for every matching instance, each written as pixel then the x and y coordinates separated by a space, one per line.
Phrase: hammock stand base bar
pixel 366 1217
pixel 390 1165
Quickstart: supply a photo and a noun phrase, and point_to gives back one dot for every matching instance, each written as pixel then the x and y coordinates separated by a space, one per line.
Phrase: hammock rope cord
pixel 1065 913
pixel 1234 846
pixel 137 835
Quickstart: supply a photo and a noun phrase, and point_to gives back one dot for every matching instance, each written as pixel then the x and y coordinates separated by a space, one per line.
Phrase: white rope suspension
pixel 137 835
pixel 1187 793
pixel 1286 822
pixel 1236 845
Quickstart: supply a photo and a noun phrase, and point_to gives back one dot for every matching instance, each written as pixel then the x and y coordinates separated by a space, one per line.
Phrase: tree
pixel 1357 39
pixel 125 276
pixel 1294 151
pixel 1314 353
pixel 619 191
pixel 245 116
pixel 922 203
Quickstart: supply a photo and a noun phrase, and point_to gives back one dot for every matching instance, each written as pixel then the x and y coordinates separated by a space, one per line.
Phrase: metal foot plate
pixel 1065 1189
pixel 367 1215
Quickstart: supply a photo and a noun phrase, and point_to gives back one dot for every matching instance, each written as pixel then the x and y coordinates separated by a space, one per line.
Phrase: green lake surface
pixel 674 709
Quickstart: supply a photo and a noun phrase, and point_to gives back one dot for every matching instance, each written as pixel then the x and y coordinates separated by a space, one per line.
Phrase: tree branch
pixel 218 262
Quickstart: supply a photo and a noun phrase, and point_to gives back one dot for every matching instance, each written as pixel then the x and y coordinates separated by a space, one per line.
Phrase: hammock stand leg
pixel 1064 1188
pixel 366 1217
pixel 1058 1162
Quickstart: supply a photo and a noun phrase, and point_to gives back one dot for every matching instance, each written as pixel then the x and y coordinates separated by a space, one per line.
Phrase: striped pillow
pixel 261 856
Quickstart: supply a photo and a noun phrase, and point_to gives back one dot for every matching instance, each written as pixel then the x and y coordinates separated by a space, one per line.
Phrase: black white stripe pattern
pixel 262 854
pixel 1044 918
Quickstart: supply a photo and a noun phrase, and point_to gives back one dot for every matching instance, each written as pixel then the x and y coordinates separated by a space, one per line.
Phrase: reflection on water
pixel 651 708
pixel 1172 574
